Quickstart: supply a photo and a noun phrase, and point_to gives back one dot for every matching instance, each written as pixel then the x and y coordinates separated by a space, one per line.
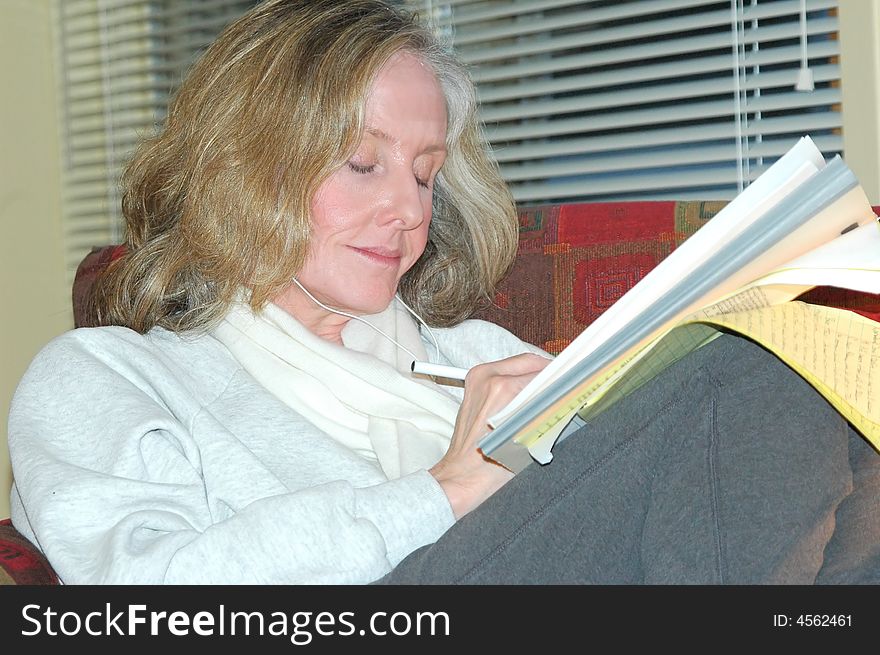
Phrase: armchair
pixel 574 261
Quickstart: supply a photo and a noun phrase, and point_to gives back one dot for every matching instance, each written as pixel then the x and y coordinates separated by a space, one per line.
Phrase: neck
pixel 319 321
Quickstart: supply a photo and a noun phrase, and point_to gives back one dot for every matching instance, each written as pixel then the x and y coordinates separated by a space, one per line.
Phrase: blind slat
pixel 616 11
pixel 677 155
pixel 671 92
pixel 124 14
pixel 658 136
pixel 616 56
pixel 692 20
pixel 659 71
pixel 618 120
pixel 646 182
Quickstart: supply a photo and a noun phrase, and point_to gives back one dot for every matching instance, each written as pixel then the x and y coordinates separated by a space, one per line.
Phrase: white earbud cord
pixel 367 323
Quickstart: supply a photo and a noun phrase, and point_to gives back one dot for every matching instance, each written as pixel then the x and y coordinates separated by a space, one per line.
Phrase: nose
pixel 403 202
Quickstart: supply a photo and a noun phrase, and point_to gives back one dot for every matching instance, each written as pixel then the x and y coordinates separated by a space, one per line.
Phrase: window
pixel 590 100
pixel 651 99
pixel 118 61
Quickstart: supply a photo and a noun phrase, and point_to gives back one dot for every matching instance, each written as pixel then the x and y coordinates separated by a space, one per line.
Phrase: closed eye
pixel 363 170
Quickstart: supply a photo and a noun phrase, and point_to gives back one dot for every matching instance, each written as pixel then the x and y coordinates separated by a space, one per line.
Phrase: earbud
pixel 367 323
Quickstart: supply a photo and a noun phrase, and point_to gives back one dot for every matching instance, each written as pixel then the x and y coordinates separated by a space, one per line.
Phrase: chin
pixel 369 303
pixel 375 308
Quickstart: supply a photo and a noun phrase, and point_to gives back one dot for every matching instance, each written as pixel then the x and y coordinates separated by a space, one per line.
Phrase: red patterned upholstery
pixel 575 261
pixel 20 562
pixel 88 270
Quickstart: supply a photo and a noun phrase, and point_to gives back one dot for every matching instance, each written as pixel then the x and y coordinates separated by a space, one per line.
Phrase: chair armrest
pixel 21 563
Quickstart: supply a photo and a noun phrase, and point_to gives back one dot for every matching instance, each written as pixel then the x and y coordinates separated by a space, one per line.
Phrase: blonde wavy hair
pixel 220 198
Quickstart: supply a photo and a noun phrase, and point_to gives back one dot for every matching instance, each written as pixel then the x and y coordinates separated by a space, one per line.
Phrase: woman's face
pixel 370 218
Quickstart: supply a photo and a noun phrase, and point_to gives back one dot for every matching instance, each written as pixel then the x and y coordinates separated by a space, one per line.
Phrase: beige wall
pixel 860 67
pixel 33 294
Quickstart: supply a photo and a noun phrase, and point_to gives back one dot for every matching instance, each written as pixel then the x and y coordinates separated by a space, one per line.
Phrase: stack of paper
pixel 803 223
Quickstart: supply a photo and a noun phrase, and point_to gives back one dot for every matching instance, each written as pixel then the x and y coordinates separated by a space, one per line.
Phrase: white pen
pixel 439 370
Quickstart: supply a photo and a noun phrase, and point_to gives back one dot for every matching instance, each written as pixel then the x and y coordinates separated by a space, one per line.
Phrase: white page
pixel 801 162
pixel 851 261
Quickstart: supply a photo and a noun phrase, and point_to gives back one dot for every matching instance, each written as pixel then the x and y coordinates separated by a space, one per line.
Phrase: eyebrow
pixel 381 134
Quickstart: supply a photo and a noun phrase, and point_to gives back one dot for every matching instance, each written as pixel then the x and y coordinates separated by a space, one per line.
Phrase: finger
pixel 524 364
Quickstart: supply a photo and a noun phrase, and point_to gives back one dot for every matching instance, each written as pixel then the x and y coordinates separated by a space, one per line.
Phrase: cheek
pixel 330 207
pixel 335 210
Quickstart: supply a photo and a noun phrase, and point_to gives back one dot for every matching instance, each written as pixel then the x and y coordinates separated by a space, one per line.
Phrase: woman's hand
pixel 466 475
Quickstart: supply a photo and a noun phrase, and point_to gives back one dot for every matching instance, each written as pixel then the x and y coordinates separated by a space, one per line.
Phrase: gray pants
pixel 728 468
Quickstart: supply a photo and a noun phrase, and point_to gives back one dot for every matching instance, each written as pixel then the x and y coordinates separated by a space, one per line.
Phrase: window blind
pixel 118 61
pixel 646 99
pixel 595 100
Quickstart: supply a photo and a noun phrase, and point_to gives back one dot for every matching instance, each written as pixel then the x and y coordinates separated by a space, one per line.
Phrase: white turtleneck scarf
pixel 363 395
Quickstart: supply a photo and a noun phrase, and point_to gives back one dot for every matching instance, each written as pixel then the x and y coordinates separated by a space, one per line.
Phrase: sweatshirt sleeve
pixel 113 489
pixel 330 534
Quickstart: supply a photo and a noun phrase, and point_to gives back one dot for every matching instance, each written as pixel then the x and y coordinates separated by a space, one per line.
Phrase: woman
pixel 319 196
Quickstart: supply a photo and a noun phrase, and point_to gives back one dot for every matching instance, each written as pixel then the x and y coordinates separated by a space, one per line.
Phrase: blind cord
pixel 805 74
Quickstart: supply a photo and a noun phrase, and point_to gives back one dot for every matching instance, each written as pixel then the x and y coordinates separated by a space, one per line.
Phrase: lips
pixel 379 255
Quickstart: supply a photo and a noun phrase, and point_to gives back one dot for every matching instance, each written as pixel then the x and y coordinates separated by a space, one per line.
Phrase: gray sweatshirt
pixel 145 459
